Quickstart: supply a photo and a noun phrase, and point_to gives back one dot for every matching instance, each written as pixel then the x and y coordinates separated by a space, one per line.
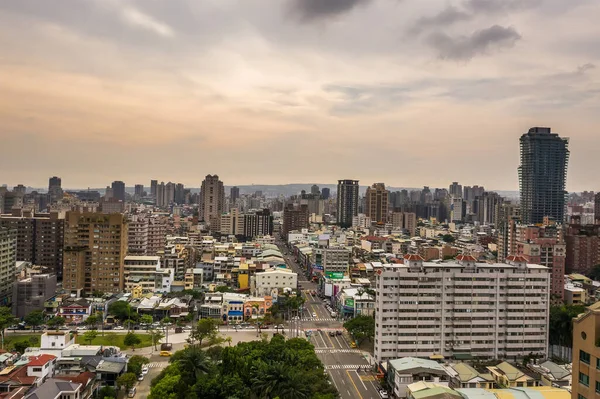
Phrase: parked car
pixel 141 377
pixel 331 333
pixel 165 353
pixel 145 370
pixel 383 393
pixel 338 332
pixel 131 393
pixel 118 328
pixel 314 314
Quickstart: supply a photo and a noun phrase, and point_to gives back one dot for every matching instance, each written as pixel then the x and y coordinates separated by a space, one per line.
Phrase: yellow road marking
pixel 352 381
pixel 367 378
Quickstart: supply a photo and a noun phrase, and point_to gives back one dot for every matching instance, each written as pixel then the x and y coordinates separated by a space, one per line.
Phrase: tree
pixel 34 319
pixel 204 329
pixel 92 321
pixel 20 346
pixel 121 310
pixel 146 319
pixel 6 320
pixel 89 336
pixel 166 321
pixel 361 327
pixel 561 323
pixel 156 336
pixel 127 381
pixel 449 238
pixel 131 340
pixel 594 274
pixel 107 392
pixel 135 363
pixel 195 361
pixel 56 322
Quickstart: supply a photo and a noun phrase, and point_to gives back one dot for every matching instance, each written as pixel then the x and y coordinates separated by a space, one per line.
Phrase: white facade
pixel 487 310
pixel 273 279
pixel 141 270
pixel 361 221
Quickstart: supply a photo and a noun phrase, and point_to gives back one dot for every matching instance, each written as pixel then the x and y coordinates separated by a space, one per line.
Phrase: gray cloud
pixel 446 17
pixel 480 42
pixel 309 10
pixel 500 6
pixel 366 98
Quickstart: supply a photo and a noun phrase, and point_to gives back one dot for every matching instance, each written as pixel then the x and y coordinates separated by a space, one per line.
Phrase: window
pixel 584 379
pixel 580 396
pixel 584 357
pixel 597 386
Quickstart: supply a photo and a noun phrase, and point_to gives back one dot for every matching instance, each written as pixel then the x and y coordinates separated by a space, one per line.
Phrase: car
pixel 141 377
pixel 118 328
pixel 81 329
pixel 187 328
pixel 280 326
pixel 145 370
pixel 353 344
pixel 314 314
pixel 383 393
pixel 331 333
pixel 165 353
pixel 131 393
pixel 338 332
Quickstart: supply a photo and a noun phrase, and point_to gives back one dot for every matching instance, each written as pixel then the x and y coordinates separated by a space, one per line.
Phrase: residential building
pixel 137 235
pixel 406 221
pixel 325 193
pixel 294 218
pixel 347 201
pixel 41 366
pixel 361 221
pixel 94 252
pixel 55 388
pixel 234 194
pixel 334 260
pixel 574 295
pixel 139 191
pixel 153 188
pixel 457 209
pixel 352 302
pixel 377 201
pixel 55 191
pixel 39 237
pixel 507 375
pixel 29 294
pixel 486 207
pixel 8 259
pixel 232 223
pixel 455 190
pixel 463 375
pixel 118 190
pixel 583 247
pixel 212 199
pixel 272 281
pixel 141 271
pixel 407 370
pixel 455 309
pixel 543 175
pixel 259 223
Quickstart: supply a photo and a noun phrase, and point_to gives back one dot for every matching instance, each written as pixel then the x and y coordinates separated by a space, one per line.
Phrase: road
pixel 340 360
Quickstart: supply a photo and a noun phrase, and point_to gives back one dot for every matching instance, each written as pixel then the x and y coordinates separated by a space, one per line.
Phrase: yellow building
pixel 506 375
pixel 586 354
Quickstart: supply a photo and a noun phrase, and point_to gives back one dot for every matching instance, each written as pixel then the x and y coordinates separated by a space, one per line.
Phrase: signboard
pixel 316 266
pixel 335 275
pixel 349 302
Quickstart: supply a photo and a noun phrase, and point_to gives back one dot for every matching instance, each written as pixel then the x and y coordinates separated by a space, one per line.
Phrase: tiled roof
pixel 514 258
pixel 413 257
pixel 40 360
pixel 466 258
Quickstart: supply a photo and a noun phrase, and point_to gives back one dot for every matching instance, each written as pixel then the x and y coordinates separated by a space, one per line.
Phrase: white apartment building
pixel 361 221
pixel 276 279
pixel 494 311
pixel 141 270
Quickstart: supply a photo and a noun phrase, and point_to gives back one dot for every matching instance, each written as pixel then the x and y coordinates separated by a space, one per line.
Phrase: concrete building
pixel 55 192
pixel 29 294
pixel 325 193
pixel 272 281
pixel 347 201
pixel 583 247
pixel 457 209
pixel 406 221
pixel 543 175
pixel 138 191
pixel 118 190
pixel 408 370
pixel 234 194
pixel 141 271
pixel 212 199
pixel 455 190
pixel 94 252
pixel 294 218
pixel 361 221
pixel 377 202
pixel 467 308
pixel 257 224
pixel 333 261
pixel 8 259
pixel 232 223
pixel 153 188
pixel 586 354
pixel 39 237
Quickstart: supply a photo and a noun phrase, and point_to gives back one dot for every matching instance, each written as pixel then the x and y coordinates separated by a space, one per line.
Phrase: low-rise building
pixel 405 371
pixel 141 270
pixel 352 302
pixel 272 281
pixel 552 374
pixel 463 375
pixel 29 294
pixel 507 375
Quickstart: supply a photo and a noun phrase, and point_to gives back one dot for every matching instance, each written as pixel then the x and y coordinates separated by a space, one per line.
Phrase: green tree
pixel 561 324
pixel 166 321
pixel 131 340
pixel 121 310
pixel 92 321
pixel 135 363
pixel 127 381
pixel 195 361
pixel 34 319
pixel 146 319
pixel 107 392
pixel 56 322
pixel 361 327
pixel 204 329
pixel 20 346
pixel 449 238
pixel 165 388
pixel 156 336
pixel 6 320
pixel 594 274
pixel 89 336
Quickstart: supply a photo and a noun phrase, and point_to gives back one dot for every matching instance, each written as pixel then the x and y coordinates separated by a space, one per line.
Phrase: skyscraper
pixel 179 193
pixel 54 189
pixel 294 218
pixel 118 189
pixel 542 175
pixel 139 190
pixel 8 259
pixel 315 190
pixel 325 193
pixel 234 194
pixel 347 201
pixel 455 190
pixel 153 185
pixel 212 199
pixel 378 199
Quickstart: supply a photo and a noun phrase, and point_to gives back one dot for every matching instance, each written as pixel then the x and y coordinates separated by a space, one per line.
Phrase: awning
pixel 436 357
pixel 462 356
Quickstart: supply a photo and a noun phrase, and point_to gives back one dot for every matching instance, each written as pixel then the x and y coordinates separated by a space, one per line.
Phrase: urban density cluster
pixel 429 293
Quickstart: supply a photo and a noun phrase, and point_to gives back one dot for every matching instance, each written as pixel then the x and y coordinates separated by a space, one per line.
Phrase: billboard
pixel 349 302
pixel 335 275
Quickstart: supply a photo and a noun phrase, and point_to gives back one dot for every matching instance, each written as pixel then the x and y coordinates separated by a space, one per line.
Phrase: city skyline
pixel 440 89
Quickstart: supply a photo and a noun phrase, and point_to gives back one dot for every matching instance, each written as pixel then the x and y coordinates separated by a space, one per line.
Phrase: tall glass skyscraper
pixel 543 175
pixel 347 201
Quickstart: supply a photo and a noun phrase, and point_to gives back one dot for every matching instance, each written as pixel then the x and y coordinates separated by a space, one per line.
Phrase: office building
pixel 543 175
pixel 258 224
pixel 377 199
pixel 455 190
pixel 55 191
pixel 273 281
pixel 232 223
pixel 325 193
pixel 118 190
pixel 314 190
pixel 140 272
pixel 347 201
pixel 94 251
pixel 332 260
pixel 179 194
pixel 139 191
pixel 153 187
pixel 361 221
pixel 234 194
pixel 457 209
pixel 454 308
pixel 8 259
pixel 586 354
pixel 294 218
pixel 29 294
pixel 39 237
pixel 212 199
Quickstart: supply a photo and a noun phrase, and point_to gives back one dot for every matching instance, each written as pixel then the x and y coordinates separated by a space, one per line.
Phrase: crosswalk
pixel 157 365
pixel 335 350
pixel 318 319
pixel 345 366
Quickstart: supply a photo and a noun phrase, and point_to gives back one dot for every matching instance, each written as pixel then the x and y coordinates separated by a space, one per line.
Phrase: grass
pixel 9 339
pixel 112 339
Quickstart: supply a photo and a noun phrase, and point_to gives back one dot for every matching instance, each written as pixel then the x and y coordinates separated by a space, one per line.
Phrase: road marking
pixel 329 338
pixel 344 366
pixel 368 378
pixel 336 350
pixel 156 365
pixel 355 387
pixel 361 381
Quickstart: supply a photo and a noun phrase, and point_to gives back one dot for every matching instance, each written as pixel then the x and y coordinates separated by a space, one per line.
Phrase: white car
pixel 383 393
pixel 145 370
pixel 119 328
pixel 314 314
pixel 81 329
pixel 141 377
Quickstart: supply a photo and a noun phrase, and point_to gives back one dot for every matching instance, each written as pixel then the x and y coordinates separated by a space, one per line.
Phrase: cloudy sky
pixel 408 92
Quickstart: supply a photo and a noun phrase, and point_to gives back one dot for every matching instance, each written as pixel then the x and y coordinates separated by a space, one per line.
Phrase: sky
pixel 406 92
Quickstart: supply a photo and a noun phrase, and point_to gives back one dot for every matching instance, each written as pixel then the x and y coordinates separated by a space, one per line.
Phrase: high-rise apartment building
pixel 139 191
pixel 137 235
pixel 212 199
pixel 455 190
pixel 161 199
pixel 94 252
pixel 153 186
pixel 347 201
pixel 487 207
pixel 294 218
pixel 118 190
pixel 169 193
pixel 54 189
pixel 8 259
pixel 39 237
pixel 457 209
pixel 543 175
pixel 406 221
pixel 586 354
pixel 377 202
pixel 257 224
pixel 234 194
pixel 179 194
pixel 583 247
pixel 325 193
pixel 314 190
pixel 494 311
